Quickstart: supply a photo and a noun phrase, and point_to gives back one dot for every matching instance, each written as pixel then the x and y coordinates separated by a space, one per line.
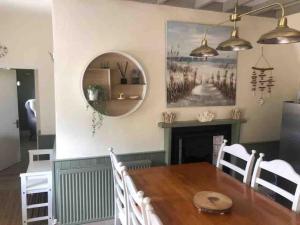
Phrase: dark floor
pixel 10 197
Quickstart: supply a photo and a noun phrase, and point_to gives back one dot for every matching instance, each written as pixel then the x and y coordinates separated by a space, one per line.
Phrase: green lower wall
pixel 77 170
pixel 270 149
pixel 46 141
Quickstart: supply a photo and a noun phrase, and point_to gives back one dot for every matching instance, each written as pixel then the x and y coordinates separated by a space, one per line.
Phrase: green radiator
pixel 85 195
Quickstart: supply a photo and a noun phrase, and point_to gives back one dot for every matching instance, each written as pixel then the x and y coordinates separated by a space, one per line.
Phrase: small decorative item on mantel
pixel 3 51
pixel 168 117
pixel 123 72
pixel 206 116
pixel 236 114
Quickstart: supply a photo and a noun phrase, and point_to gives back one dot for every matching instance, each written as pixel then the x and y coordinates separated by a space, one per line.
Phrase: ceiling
pixel 291 6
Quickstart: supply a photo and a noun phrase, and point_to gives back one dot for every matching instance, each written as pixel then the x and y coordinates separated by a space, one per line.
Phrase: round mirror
pixel 114 84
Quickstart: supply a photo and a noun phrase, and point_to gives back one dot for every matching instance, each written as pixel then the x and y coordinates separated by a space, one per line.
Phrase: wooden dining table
pixel 172 188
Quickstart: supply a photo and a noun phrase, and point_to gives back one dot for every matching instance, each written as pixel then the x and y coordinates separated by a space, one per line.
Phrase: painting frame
pixel 224 67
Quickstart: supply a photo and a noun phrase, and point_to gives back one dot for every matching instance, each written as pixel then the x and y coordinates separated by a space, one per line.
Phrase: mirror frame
pixel 139 66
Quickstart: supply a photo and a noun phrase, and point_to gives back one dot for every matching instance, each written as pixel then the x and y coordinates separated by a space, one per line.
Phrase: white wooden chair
pixel 34 183
pixel 152 218
pixel 280 168
pixel 121 205
pixel 136 204
pixel 39 152
pixel 240 152
pixel 37 179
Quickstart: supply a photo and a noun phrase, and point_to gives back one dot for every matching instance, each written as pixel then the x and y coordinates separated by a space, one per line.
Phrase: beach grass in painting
pixel 193 81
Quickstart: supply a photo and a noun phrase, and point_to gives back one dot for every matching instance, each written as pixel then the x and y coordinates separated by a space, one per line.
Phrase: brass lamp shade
pixel 282 34
pixel 234 43
pixel 204 50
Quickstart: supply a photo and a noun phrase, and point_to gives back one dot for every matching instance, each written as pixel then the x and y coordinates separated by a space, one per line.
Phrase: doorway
pixel 18 123
pixel 27 108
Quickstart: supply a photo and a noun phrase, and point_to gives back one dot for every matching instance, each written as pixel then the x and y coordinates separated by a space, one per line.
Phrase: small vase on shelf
pixel 123 72
pixel 135 76
pixel 123 80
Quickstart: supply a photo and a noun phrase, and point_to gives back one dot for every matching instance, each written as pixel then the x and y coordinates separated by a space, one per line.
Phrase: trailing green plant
pixel 98 107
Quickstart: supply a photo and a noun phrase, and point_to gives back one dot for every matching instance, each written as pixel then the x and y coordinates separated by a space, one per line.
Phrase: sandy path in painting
pixel 206 95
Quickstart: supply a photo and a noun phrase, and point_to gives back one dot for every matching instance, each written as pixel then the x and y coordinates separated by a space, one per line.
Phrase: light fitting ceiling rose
pixel 282 34
pixel 234 43
pixel 204 50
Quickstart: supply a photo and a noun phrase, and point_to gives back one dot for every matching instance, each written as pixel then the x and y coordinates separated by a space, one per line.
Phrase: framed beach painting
pixel 193 81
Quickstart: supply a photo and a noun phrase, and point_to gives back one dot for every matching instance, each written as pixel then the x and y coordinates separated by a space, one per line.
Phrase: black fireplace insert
pixel 195 144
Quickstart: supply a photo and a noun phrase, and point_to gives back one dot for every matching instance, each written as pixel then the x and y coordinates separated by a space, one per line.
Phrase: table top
pixel 172 188
pixel 39 166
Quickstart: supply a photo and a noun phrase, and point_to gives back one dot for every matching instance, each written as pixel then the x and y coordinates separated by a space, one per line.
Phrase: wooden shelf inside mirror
pixel 126 99
pixel 129 84
pixel 98 69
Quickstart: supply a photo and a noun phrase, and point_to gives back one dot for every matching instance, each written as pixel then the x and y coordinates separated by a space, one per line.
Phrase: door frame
pixel 37 97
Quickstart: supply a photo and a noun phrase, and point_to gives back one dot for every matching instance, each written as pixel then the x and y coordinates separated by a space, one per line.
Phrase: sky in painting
pixel 188 36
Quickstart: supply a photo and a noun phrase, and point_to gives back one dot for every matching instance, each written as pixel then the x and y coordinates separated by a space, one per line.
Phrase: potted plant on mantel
pixel 96 96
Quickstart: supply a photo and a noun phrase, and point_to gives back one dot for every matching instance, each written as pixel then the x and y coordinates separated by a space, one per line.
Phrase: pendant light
pixel 234 43
pixel 204 50
pixel 282 34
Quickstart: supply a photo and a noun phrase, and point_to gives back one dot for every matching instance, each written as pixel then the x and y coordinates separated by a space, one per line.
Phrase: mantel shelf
pixel 195 123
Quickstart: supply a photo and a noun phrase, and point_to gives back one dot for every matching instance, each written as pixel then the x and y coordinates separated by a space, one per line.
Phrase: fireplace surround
pixel 192 141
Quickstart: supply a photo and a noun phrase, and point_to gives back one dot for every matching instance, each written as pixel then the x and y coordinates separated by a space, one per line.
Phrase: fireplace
pixel 198 144
pixel 192 141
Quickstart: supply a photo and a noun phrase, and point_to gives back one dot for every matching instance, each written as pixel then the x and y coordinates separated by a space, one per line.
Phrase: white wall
pixel 84 29
pixel 9 134
pixel 294 22
pixel 26 29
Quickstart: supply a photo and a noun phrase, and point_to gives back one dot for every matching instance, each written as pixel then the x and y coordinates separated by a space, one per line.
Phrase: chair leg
pixel 50 220
pixel 116 214
pixel 24 201
pixel 24 208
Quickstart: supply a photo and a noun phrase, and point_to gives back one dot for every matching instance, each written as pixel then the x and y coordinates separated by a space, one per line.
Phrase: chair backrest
pixel 40 152
pixel 152 218
pixel 240 152
pixel 36 181
pixel 119 188
pixel 280 168
pixel 136 205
